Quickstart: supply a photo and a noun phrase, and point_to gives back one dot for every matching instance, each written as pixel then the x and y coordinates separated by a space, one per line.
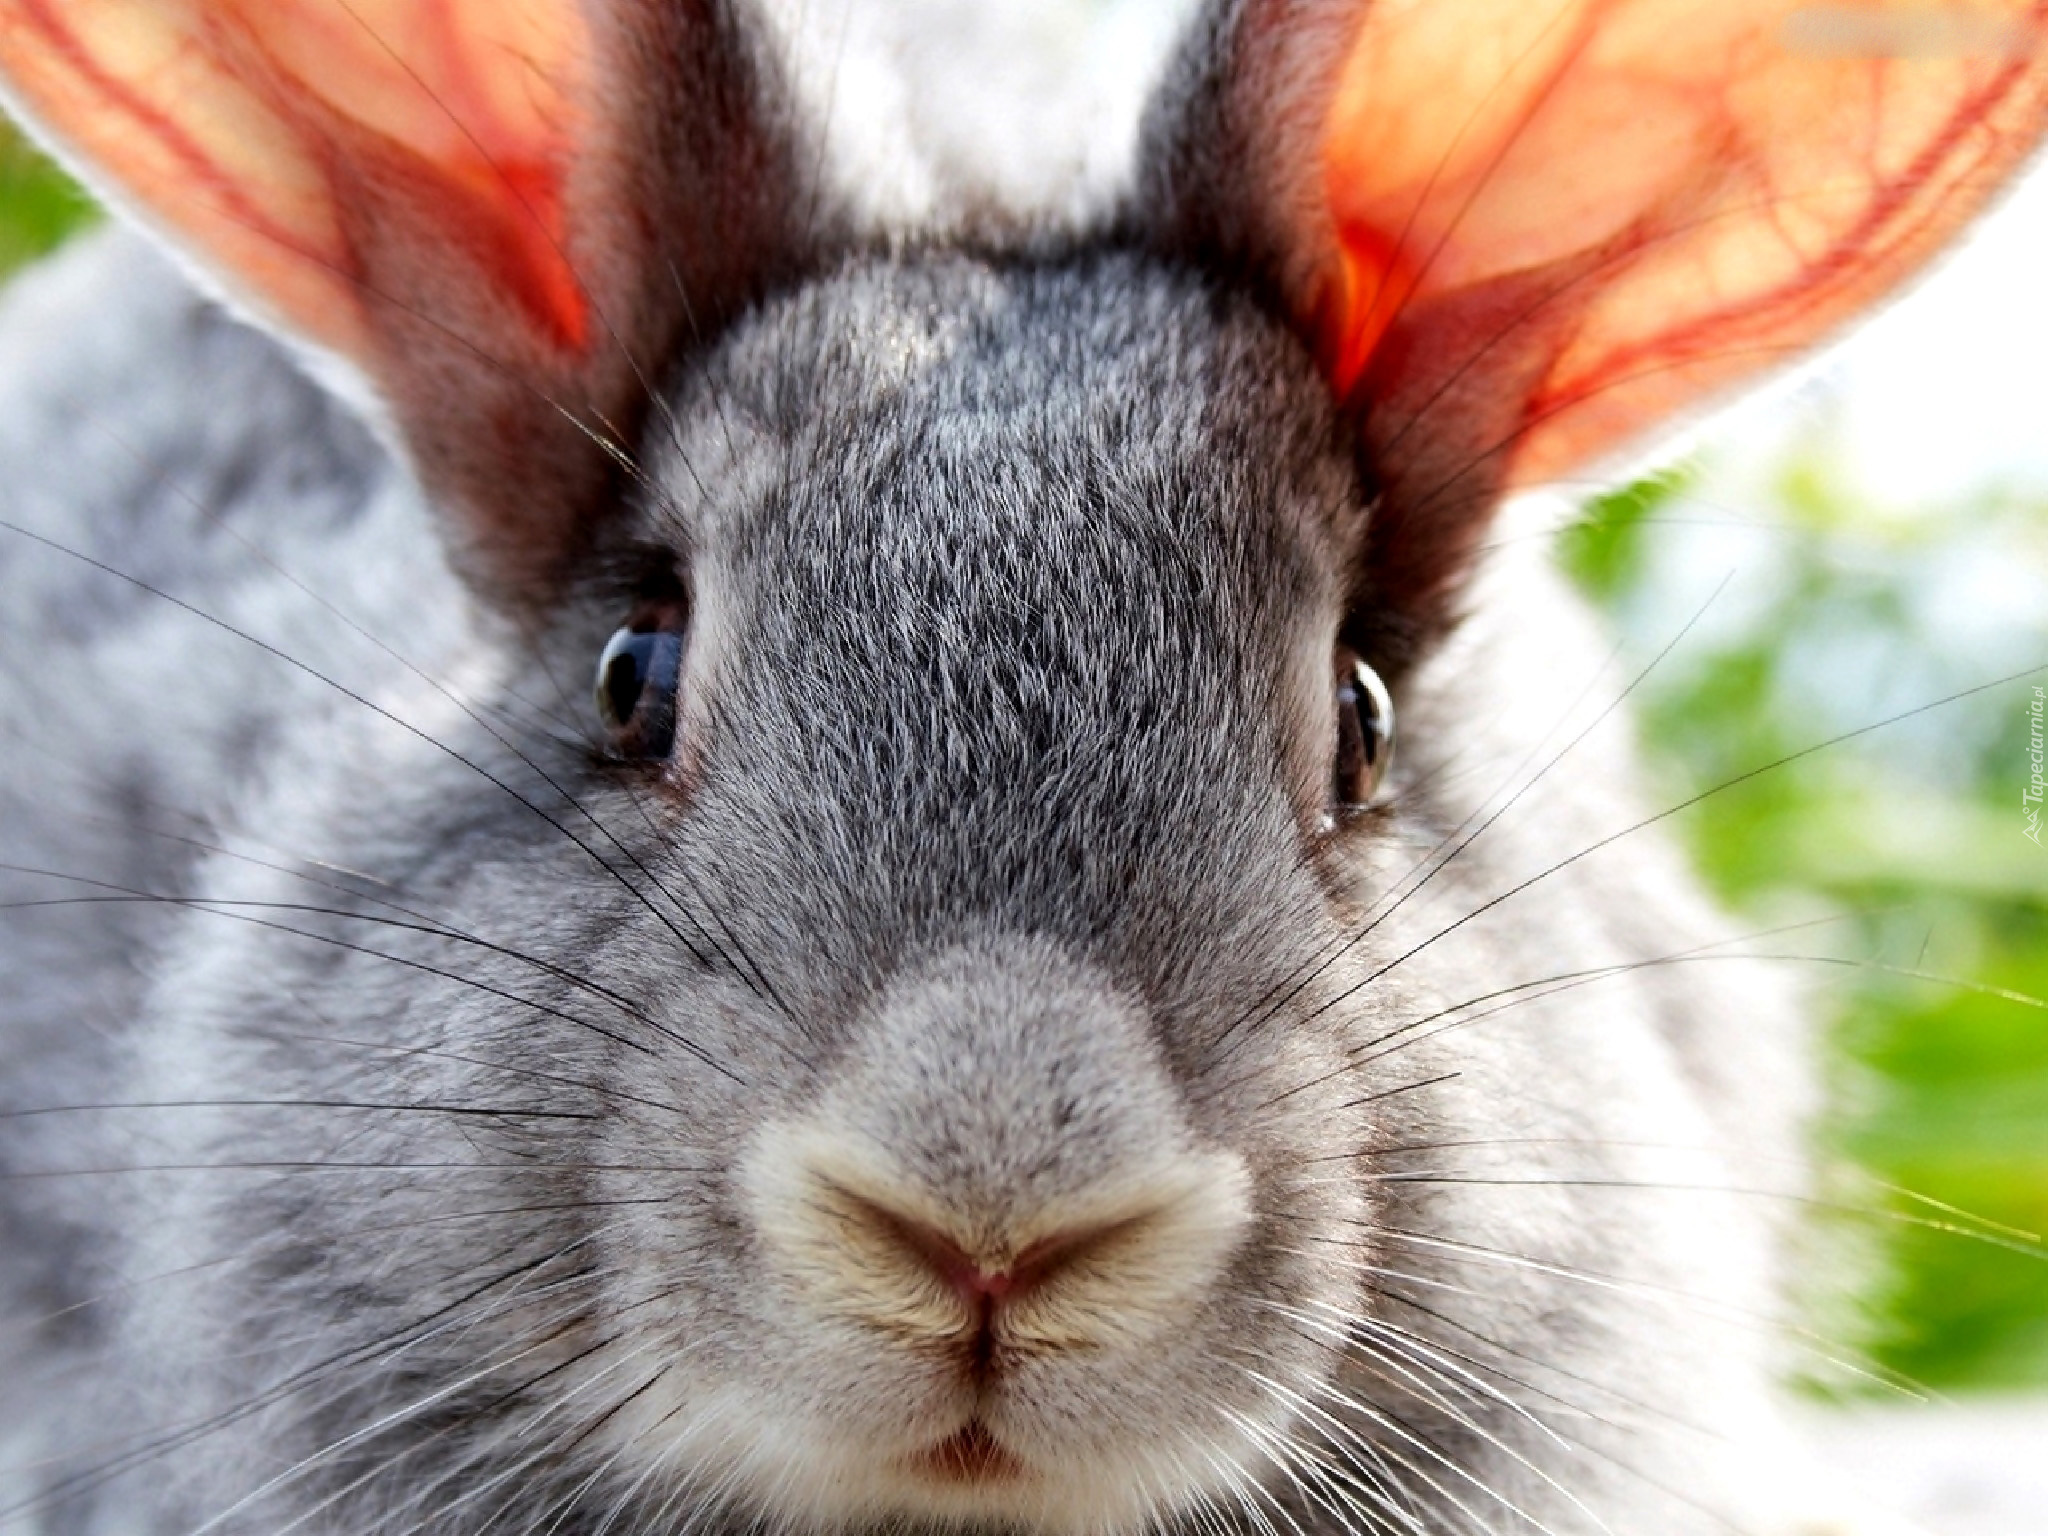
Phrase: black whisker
pixel 1666 814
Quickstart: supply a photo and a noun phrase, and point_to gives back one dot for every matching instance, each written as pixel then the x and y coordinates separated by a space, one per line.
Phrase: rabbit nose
pixel 1000 1155
pixel 984 1282
pixel 989 1290
pixel 852 1237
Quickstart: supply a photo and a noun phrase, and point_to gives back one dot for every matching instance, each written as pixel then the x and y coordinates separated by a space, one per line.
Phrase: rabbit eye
pixel 1365 731
pixel 636 684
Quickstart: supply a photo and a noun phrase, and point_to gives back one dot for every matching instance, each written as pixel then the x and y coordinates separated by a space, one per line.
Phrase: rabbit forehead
pixel 918 400
pixel 1016 592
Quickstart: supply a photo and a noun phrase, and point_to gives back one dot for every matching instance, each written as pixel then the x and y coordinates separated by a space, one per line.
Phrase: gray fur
pixel 994 845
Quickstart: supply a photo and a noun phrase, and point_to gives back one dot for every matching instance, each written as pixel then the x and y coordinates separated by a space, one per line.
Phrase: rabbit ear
pixel 502 212
pixel 1519 234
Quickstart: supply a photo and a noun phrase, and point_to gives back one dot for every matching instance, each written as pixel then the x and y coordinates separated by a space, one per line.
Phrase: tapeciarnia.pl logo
pixel 2030 797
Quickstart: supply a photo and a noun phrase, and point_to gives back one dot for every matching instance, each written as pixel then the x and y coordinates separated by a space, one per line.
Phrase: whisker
pixel 488 1112
pixel 426 738
pixel 245 911
pixel 355 1437
pixel 1459 839
pixel 1605 1389
pixel 1710 1308
pixel 1391 1423
pixel 2026 1244
pixel 1313 1479
pixel 181 1436
pixel 1521 994
pixel 1666 814
pixel 603 1091
pixel 1364 1351
pixel 264 1254
pixel 332 1165
pixel 1346 1325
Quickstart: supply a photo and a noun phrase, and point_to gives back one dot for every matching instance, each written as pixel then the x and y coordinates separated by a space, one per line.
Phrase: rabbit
pixel 976 1018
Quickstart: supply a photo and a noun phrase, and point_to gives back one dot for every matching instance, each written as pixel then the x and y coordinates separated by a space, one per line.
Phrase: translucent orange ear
pixel 500 211
pixel 239 125
pixel 1519 233
pixel 1622 205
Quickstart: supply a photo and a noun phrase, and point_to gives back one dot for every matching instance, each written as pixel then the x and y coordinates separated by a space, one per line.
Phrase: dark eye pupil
pixel 636 689
pixel 625 676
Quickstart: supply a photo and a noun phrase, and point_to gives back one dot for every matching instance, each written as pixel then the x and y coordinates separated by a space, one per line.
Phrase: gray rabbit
pixel 972 1026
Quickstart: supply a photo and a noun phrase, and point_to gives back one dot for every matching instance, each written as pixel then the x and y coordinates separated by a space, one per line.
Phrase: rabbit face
pixel 904 1102
pixel 1007 955
pixel 882 1132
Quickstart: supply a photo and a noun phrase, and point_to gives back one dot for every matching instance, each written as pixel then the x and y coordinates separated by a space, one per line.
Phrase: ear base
pixel 1518 237
pixel 504 214
pixel 1438 489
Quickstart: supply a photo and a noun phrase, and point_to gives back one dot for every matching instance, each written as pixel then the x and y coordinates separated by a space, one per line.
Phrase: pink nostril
pixel 976 1285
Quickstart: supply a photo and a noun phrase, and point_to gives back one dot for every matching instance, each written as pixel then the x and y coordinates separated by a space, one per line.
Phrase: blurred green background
pixel 38 206
pixel 1911 834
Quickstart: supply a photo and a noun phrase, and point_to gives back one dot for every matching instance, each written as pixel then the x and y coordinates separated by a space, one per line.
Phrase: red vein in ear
pixel 1380 266
pixel 1373 279
pixel 159 128
pixel 1909 213
pixel 493 205
pixel 515 188
pixel 303 144
pixel 1598 138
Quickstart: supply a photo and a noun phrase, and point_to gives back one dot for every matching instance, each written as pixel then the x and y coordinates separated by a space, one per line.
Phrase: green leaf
pixel 39 205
